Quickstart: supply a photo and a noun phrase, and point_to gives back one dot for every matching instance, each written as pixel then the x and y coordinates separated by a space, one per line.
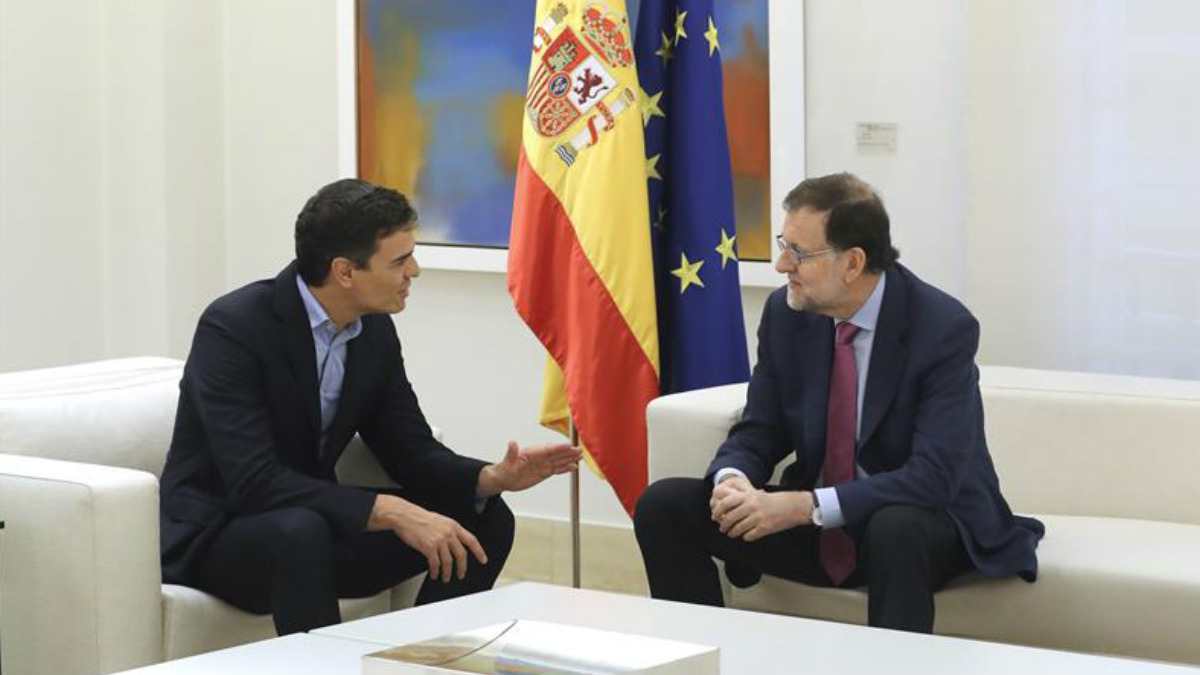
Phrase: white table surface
pixel 299 654
pixel 751 643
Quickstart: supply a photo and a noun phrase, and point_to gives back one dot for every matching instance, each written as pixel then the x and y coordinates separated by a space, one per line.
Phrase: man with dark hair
pixel 866 375
pixel 282 374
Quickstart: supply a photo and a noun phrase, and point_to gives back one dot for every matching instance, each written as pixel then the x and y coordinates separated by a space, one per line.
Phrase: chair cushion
pixel 195 622
pixel 404 594
pixel 1106 585
pixel 116 413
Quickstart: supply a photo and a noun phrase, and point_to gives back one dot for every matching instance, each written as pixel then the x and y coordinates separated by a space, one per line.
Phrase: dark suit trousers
pixel 291 563
pixel 905 555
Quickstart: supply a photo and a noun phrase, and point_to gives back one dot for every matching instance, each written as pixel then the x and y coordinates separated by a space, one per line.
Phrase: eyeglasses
pixel 798 257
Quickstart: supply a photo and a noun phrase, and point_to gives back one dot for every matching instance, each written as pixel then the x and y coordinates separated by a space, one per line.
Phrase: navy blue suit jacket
pixel 921 437
pixel 247 433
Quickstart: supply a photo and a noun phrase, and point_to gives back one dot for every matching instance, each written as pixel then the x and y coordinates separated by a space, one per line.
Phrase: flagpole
pixel 575 557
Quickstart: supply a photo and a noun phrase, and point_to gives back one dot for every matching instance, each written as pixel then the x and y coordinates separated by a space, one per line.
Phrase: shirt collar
pixel 317 316
pixel 867 316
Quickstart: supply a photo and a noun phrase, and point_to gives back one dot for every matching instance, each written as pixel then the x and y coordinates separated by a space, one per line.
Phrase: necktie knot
pixel 846 332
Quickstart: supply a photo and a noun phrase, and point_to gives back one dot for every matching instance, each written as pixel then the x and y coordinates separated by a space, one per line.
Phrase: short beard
pixel 794 302
pixel 806 303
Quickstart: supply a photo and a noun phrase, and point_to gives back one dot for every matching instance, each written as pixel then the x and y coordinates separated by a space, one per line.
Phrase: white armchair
pixel 81 587
pixel 1107 462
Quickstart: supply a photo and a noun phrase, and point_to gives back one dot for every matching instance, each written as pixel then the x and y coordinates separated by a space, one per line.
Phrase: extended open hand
pixel 522 468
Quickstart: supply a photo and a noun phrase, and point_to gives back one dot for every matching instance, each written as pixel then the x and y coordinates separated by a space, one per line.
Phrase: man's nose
pixel 784 264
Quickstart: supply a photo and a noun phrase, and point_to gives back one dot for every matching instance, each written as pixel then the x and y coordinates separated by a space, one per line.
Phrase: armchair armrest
pixel 79 569
pixel 686 429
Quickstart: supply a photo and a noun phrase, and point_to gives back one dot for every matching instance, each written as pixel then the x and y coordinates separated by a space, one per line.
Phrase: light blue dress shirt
pixel 866 318
pixel 330 346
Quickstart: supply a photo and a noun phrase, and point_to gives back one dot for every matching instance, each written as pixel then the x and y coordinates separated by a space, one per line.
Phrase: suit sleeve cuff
pixel 831 509
pixel 353 510
pixel 725 473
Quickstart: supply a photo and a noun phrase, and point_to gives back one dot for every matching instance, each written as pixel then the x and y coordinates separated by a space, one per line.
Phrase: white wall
pixel 194 129
pixel 281 117
pixel 52 183
pixel 152 156
pixel 899 62
pixel 1085 183
pixel 110 164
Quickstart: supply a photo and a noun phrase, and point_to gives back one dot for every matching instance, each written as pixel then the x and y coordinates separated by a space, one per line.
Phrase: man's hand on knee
pixel 733 484
pixel 444 543
pixel 754 514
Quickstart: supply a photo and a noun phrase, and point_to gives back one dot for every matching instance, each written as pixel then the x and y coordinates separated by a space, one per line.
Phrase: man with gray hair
pixel 867 376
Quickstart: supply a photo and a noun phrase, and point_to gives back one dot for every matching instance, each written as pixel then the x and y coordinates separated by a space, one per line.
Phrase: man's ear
pixel 856 263
pixel 340 270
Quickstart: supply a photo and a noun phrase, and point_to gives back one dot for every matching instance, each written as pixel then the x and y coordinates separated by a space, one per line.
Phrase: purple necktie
pixel 837 548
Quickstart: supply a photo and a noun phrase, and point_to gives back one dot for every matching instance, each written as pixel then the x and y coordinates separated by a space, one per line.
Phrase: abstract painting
pixel 441 92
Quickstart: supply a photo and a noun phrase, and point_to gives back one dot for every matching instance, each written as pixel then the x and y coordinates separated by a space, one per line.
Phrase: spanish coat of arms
pixel 574 76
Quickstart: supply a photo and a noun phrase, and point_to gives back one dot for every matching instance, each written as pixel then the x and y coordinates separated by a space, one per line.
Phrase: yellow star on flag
pixel 688 273
pixel 665 52
pixel 650 107
pixel 711 36
pixel 652 167
pixel 679 31
pixel 726 248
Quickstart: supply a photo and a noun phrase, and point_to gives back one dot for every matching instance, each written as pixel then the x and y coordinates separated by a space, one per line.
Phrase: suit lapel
pixel 888 354
pixel 815 351
pixel 298 341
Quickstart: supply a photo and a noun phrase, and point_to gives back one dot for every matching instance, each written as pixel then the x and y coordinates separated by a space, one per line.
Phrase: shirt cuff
pixel 831 509
pixel 725 473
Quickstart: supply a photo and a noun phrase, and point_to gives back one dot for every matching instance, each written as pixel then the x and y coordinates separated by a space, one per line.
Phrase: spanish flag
pixel 580 268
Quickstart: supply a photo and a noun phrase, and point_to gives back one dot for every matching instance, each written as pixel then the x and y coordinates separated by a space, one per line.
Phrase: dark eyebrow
pixel 404 257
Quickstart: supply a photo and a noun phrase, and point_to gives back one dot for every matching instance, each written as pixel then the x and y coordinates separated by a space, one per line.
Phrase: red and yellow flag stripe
pixel 579 269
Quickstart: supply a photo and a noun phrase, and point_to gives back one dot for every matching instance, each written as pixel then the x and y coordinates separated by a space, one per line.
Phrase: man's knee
pixel 896 530
pixel 497 524
pixel 299 528
pixel 666 503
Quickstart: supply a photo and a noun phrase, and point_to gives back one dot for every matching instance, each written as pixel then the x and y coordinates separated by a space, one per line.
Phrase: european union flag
pixel 702 339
